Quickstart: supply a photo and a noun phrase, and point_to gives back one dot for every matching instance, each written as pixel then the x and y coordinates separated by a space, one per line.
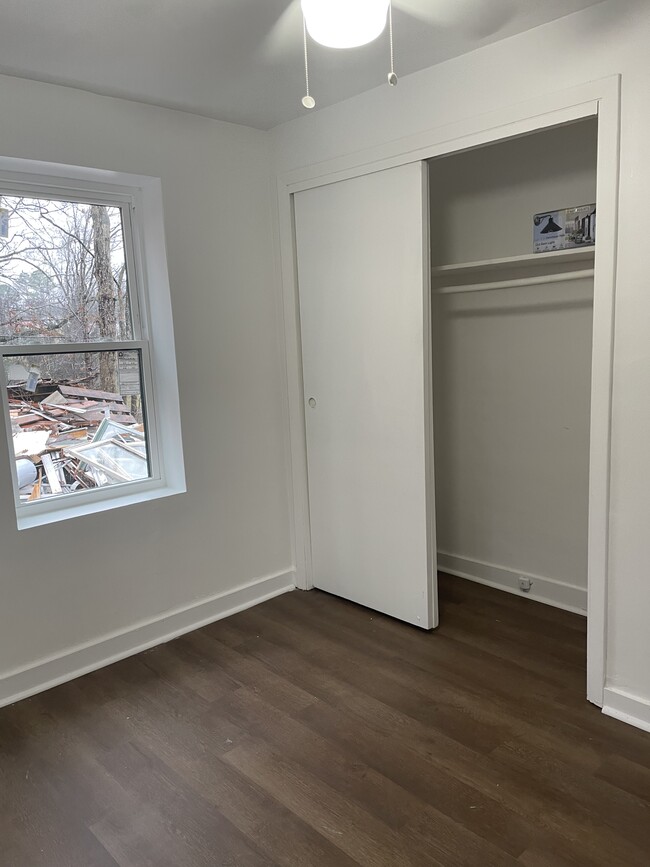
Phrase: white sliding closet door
pixel 363 272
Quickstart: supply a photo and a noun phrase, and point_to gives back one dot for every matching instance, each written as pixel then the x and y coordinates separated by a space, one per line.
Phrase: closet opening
pixel 512 361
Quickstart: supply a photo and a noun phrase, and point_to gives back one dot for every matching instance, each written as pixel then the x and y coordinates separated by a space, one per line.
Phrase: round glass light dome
pixel 344 23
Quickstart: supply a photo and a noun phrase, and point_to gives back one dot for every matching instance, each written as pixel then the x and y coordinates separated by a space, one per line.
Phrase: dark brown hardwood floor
pixel 310 731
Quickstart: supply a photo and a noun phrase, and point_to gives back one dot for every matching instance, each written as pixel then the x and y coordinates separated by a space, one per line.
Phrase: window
pixel 92 422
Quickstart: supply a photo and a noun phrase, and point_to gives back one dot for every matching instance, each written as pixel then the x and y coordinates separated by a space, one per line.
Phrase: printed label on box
pixel 548 231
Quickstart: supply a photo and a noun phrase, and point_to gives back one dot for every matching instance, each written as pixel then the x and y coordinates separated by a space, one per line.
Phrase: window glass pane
pixel 63 275
pixel 114 459
pixel 77 421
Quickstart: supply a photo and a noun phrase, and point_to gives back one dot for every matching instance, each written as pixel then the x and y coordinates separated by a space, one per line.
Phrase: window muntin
pixel 68 291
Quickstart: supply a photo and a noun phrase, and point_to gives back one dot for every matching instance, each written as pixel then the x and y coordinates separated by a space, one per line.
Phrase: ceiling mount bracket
pixel 392 77
pixel 308 101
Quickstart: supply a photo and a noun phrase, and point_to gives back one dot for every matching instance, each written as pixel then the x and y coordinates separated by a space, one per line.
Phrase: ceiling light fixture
pixel 345 24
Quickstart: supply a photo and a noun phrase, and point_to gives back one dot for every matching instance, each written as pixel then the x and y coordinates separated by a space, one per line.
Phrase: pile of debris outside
pixel 67 438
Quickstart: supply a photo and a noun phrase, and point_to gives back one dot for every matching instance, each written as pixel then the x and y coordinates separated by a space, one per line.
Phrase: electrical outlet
pixel 525 584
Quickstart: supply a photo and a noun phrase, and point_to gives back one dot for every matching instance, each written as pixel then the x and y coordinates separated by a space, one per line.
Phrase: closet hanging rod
pixel 513 284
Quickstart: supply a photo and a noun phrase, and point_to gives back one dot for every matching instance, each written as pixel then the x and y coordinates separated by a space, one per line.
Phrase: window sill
pixel 26 518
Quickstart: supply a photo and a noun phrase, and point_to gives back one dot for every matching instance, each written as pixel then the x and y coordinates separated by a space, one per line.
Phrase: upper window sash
pixel 32 253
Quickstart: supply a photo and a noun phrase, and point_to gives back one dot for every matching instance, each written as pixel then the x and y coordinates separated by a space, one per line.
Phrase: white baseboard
pixel 75 661
pixel 631 709
pixel 546 590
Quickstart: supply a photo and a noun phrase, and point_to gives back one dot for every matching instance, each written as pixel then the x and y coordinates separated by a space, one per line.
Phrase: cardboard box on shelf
pixel 563 229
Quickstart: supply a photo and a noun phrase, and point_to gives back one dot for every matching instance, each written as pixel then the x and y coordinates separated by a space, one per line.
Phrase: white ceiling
pixel 213 57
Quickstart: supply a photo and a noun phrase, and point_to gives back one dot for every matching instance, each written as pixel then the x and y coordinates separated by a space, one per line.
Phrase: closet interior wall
pixel 512 368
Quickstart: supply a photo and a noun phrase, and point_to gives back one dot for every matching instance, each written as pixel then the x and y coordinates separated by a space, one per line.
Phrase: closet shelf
pixel 533 260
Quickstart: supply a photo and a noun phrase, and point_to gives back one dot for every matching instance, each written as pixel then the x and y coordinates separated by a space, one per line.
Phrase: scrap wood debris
pixel 68 438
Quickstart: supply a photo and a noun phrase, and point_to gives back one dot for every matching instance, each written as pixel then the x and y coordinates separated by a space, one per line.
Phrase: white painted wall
pixel 512 369
pixel 77 581
pixel 607 39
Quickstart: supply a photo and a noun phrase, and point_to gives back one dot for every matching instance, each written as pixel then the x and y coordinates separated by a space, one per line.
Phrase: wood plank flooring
pixel 310 731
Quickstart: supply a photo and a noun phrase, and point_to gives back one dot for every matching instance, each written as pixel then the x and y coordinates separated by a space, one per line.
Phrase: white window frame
pixel 140 198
